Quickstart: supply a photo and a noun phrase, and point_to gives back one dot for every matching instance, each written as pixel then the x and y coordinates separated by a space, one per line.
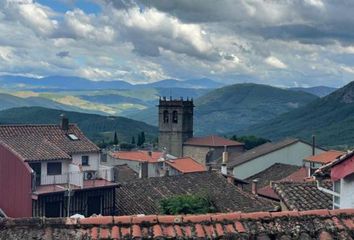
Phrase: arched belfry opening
pixel 165 116
pixel 175 116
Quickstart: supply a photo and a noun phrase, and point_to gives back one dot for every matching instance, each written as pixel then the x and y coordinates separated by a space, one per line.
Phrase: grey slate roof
pixel 142 196
pixel 303 196
pixel 275 172
pixel 259 151
pixel 44 141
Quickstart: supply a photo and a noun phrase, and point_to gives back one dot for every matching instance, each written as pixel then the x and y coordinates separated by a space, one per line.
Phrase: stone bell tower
pixel 175 124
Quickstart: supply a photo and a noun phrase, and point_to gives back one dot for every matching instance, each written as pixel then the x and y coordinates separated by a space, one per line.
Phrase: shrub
pixel 187 204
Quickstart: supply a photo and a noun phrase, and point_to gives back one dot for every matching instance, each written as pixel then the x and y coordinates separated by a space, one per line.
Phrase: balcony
pixel 72 180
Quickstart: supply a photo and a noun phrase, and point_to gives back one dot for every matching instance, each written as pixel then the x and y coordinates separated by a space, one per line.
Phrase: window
pixel 73 137
pixel 165 116
pixel 175 117
pixel 85 160
pixel 54 168
pixel 336 199
pixel 336 186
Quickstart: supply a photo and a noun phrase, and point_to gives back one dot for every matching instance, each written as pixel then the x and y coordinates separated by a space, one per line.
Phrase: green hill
pixel 96 127
pixel 330 118
pixel 235 107
pixel 238 106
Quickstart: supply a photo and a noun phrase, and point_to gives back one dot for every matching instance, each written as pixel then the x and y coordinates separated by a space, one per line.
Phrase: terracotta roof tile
pixel 288 225
pixel 212 141
pixel 143 196
pixel 44 142
pixel 186 165
pixel 140 156
pixel 325 157
pixel 141 219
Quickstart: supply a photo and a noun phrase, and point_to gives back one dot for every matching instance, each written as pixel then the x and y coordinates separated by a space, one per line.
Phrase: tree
pixel 141 139
pixel 187 204
pixel 133 140
pixel 115 139
pixel 250 141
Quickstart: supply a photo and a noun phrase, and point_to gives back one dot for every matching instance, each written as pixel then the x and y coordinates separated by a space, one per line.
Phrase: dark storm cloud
pixel 63 54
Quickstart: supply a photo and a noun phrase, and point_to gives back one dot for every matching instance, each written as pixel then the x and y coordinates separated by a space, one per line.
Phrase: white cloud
pixel 348 69
pixel 5 54
pixel 94 73
pixel 231 41
pixel 275 62
pixel 31 14
pixel 151 30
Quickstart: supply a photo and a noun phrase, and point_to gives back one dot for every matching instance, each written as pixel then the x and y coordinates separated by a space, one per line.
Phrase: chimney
pixel 64 125
pixel 254 186
pixel 143 173
pixel 313 145
pixel 225 159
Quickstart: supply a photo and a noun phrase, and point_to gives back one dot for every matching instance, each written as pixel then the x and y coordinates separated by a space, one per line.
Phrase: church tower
pixel 175 124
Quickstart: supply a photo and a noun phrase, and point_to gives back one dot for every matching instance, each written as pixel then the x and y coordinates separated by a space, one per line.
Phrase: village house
pixel 176 134
pixel 52 170
pixel 314 162
pixel 255 160
pixel 341 173
pixel 154 164
pixel 208 150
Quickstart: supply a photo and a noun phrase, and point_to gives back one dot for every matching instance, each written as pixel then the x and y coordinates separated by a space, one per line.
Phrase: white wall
pixel 94 161
pixel 347 192
pixel 292 154
pixel 54 179
pixel 75 176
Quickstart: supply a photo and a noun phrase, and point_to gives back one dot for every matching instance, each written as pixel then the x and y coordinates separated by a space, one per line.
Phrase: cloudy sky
pixel 277 42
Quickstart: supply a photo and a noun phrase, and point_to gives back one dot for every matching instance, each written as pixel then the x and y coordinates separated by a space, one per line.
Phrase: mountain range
pixel 330 118
pixel 235 107
pixel 97 127
pixel 320 91
pixel 77 83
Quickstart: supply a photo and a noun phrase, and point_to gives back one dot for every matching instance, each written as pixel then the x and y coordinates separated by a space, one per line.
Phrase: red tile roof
pixel 186 165
pixel 44 142
pixel 315 224
pixel 140 156
pixel 325 157
pixel 212 141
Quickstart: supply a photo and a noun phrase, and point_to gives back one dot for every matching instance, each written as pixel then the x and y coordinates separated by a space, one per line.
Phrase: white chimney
pixel 254 186
pixel 225 159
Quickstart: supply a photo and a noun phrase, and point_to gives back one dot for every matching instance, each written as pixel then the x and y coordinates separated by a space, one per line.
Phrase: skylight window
pixel 73 137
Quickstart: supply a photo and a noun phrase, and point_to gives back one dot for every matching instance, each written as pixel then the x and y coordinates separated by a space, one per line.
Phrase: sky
pixel 286 43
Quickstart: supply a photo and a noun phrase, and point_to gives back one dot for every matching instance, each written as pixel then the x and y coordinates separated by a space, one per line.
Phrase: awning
pixel 343 169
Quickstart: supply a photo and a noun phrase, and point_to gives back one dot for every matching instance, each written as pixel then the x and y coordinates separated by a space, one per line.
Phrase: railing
pixel 76 178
